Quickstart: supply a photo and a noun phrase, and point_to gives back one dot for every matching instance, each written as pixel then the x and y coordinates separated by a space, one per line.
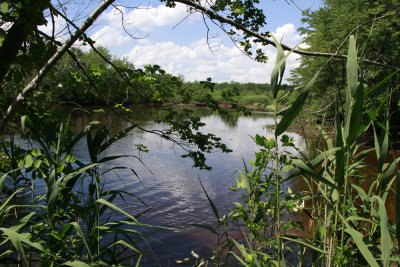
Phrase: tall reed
pixel 345 205
pixel 72 222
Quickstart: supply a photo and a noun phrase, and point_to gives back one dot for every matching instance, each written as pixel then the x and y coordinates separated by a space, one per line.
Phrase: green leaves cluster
pixel 71 223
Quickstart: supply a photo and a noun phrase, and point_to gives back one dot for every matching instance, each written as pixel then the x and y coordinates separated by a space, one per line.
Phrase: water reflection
pixel 168 183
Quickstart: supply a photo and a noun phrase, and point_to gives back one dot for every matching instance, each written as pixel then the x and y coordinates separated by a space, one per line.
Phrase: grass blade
pixel 352 67
pixel 385 237
pixel 358 239
pixel 210 201
pixel 295 108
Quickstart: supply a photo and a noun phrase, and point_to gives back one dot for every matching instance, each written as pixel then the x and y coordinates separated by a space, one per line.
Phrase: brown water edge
pixel 368 174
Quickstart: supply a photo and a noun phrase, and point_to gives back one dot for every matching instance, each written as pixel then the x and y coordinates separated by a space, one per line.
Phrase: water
pixel 170 186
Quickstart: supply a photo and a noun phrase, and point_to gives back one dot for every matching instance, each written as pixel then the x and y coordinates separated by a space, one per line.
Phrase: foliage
pixel 54 207
pixel 377 28
pixel 67 83
pixel 148 85
pixel 240 12
pixel 71 221
pixel 345 205
pixel 22 50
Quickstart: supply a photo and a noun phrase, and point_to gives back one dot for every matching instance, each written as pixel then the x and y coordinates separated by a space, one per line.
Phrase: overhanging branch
pixel 50 63
pixel 222 19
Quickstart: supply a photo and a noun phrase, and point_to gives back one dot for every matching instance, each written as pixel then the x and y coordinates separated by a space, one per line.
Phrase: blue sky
pixel 180 46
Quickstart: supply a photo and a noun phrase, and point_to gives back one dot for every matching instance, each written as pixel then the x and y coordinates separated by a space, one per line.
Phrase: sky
pixel 177 40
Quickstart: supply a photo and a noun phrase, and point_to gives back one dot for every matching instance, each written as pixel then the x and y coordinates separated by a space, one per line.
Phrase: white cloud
pixel 196 62
pixel 148 18
pixel 59 26
pixel 287 34
pixel 110 37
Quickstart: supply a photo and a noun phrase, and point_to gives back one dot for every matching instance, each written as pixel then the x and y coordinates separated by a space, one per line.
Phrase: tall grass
pixel 341 220
pixel 71 223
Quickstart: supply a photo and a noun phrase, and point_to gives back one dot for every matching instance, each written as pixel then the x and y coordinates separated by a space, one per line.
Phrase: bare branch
pixel 124 22
pixel 213 15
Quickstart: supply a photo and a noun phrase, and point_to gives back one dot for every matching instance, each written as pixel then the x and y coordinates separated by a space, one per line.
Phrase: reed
pixel 72 222
pixel 345 207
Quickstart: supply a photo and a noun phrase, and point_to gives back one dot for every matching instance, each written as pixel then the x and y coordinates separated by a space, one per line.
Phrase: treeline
pixel 97 77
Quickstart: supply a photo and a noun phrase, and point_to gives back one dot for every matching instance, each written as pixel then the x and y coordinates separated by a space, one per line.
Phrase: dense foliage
pixel 55 211
pixel 376 25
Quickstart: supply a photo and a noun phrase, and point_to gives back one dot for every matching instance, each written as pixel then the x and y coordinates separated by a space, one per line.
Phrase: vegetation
pixel 345 206
pixel 54 209
pixel 328 28
pixel 150 85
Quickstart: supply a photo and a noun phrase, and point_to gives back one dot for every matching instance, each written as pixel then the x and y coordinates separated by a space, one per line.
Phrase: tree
pixel 377 28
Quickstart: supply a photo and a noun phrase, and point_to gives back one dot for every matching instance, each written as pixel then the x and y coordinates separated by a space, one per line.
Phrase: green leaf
pixel 126 244
pixel 340 153
pixel 116 137
pixel 315 162
pixel 54 188
pixel 82 236
pixel 384 147
pixel 358 239
pixel 207 227
pixel 28 161
pixel 388 174
pixel 4 7
pixel 295 108
pixel 308 171
pixel 4 206
pixel 105 202
pixel 385 237
pixel 352 67
pixel 304 244
pixel 15 239
pixel 355 126
pixel 279 69
pixel 210 201
pixel 370 90
pixel 76 264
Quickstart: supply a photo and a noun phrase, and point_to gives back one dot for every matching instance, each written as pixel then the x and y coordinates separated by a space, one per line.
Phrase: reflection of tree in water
pixel 230 120
pixel 148 114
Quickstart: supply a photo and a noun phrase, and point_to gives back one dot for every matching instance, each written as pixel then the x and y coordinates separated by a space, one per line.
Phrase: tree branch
pixel 120 72
pixel 50 63
pixel 363 24
pixel 265 40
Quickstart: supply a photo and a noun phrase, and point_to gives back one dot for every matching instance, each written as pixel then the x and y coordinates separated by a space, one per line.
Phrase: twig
pixel 213 15
pixel 361 25
pixel 121 73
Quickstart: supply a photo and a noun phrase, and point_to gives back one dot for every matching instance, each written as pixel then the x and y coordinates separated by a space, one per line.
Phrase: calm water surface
pixel 170 186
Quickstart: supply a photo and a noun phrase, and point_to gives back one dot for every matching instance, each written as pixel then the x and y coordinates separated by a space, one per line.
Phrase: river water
pixel 170 186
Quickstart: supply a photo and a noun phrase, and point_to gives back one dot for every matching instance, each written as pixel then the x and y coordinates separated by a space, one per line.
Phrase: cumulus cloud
pixel 196 62
pixel 109 36
pixel 148 18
